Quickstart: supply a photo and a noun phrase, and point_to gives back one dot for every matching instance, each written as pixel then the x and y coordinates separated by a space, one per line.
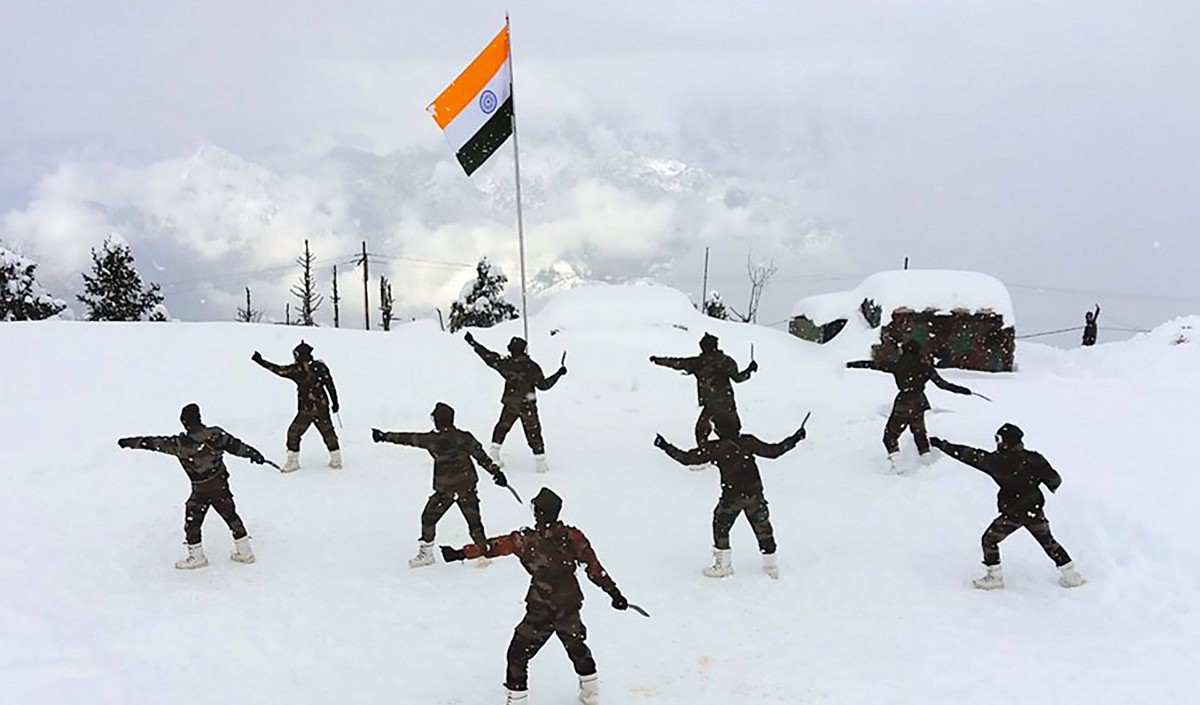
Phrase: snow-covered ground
pixel 874 604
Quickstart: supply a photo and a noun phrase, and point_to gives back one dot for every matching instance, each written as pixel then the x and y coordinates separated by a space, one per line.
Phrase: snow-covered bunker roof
pixel 916 289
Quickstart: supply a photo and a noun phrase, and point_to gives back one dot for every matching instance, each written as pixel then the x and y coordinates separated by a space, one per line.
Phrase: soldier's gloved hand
pixel 376 435
pixel 800 434
pixel 450 554
pixel 127 442
pixel 469 338
pixel 501 480
pixel 256 457
pixel 936 442
pixel 257 357
pixel 562 371
pixel 335 407
pixel 752 367
pixel 659 441
pixel 655 359
pixel 619 602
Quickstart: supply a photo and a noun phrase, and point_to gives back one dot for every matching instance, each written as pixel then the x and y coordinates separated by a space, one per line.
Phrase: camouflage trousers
pixel 542 620
pixel 210 493
pixel 1035 523
pixel 704 424
pixel 300 425
pixel 900 419
pixel 527 412
pixel 730 506
pixel 441 501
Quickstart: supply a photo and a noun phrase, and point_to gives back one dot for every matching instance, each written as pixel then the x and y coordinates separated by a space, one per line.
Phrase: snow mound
pixel 917 289
pixel 600 305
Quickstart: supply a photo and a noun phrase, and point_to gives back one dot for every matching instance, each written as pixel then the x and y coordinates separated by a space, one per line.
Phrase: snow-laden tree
pixel 714 306
pixel 481 303
pixel 21 297
pixel 114 290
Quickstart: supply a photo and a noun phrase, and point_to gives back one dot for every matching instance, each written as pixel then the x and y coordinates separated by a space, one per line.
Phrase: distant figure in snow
pixel 316 398
pixel 523 378
pixel 549 552
pixel 454 477
pixel 741 487
pixel 200 449
pixel 715 373
pixel 911 372
pixel 1019 473
pixel 1089 326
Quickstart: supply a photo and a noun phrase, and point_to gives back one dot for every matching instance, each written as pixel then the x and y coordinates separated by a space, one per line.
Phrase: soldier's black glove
pixel 936 442
pixel 256 457
pixel 659 441
pixel 619 602
pixel 562 371
pixel 335 407
pixel 127 442
pixel 501 480
pixel 800 434
pixel 752 367
pixel 376 435
pixel 469 338
pixel 655 359
pixel 450 555
pixel 257 357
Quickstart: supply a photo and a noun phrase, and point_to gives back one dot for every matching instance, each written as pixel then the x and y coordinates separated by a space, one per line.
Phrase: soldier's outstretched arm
pixel 500 546
pixel 975 457
pixel 586 557
pixel 402 438
pixel 158 444
pixel 683 364
pixel 695 456
pixel 949 386
pixel 489 357
pixel 281 370
pixel 866 365
pixel 773 450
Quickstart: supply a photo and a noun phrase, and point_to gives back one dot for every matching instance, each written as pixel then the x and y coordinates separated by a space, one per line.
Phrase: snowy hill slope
pixel 874 604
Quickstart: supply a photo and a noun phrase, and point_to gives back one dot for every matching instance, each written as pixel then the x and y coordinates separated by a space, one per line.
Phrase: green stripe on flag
pixel 489 139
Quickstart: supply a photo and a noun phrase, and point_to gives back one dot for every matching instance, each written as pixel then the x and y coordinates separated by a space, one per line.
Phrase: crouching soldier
pixel 1019 473
pixel 454 477
pixel 549 552
pixel 316 397
pixel 741 487
pixel 715 373
pixel 523 378
pixel 200 449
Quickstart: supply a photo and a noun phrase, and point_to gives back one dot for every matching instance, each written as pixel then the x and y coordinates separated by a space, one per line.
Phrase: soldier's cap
pixel 1010 434
pixel 190 415
pixel 546 505
pixel 708 342
pixel 443 414
pixel 727 424
pixel 302 350
pixel 516 346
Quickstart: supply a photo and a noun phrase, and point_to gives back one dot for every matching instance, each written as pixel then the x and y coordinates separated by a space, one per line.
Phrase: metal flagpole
pixel 517 164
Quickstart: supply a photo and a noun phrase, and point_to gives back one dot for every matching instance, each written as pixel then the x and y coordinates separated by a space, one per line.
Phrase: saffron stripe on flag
pixel 462 91
pixel 489 138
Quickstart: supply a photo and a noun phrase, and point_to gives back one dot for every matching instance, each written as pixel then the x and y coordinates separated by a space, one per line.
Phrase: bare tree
pixel 336 300
pixel 306 290
pixel 385 303
pixel 760 274
pixel 248 314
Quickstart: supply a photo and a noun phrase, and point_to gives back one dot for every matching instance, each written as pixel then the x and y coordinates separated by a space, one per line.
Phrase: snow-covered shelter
pixel 964 319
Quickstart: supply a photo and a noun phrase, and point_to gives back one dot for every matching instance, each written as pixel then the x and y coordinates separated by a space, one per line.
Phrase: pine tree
pixel 248 314
pixel 714 307
pixel 385 302
pixel 481 304
pixel 21 297
pixel 114 291
pixel 306 290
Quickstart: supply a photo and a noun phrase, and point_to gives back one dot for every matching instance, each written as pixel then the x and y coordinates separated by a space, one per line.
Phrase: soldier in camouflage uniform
pixel 523 378
pixel 549 552
pixel 316 397
pixel 715 373
pixel 1090 326
pixel 912 372
pixel 1019 473
pixel 199 449
pixel 741 487
pixel 454 477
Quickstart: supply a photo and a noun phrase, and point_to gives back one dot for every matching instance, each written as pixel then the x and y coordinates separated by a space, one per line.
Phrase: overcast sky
pixel 1054 145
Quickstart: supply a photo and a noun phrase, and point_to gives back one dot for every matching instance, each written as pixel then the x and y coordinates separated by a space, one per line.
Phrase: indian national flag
pixel 475 111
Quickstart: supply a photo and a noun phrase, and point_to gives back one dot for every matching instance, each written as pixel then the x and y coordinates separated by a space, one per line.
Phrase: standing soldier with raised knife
pixel 1019 473
pixel 715 373
pixel 1091 320
pixel 549 552
pixel 454 477
pixel 200 449
pixel 316 397
pixel 523 378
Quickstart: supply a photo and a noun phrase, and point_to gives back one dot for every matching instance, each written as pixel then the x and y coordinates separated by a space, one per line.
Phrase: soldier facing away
pixel 741 487
pixel 911 372
pixel 549 552
pixel 454 477
pixel 1090 321
pixel 715 373
pixel 523 378
pixel 200 449
pixel 1019 473
pixel 316 397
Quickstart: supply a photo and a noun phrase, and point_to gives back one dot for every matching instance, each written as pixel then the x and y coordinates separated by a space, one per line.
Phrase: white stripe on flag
pixel 471 120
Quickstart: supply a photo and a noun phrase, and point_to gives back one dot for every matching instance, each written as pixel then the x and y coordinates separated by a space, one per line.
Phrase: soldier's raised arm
pixel 489 357
pixel 281 370
pixel 762 449
pixel 744 374
pixel 544 383
pixel 695 456
pixel 975 457
pixel 159 444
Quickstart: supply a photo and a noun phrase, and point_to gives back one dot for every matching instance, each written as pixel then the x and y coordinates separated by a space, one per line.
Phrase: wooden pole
pixel 366 287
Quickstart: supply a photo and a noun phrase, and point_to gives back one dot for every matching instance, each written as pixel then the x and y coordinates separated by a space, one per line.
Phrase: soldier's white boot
pixel 195 558
pixel 493 452
pixel 424 556
pixel 335 459
pixel 292 464
pixel 894 463
pixel 770 566
pixel 993 580
pixel 722 566
pixel 1070 577
pixel 539 463
pixel 589 689
pixel 516 697
pixel 241 551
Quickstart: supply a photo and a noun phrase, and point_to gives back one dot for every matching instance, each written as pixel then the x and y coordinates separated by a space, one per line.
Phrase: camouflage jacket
pixel 453 450
pixel 1017 471
pixel 314 384
pixel 522 376
pixel 735 460
pixel 911 373
pixel 200 452
pixel 715 373
pixel 550 556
